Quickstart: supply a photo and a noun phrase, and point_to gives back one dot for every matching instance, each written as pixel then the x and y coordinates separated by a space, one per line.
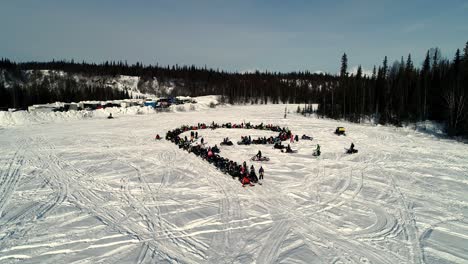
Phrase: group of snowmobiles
pixel 211 154
pixel 232 168
pixel 340 131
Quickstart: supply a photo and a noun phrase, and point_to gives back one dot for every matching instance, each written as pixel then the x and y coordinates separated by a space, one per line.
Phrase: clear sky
pixel 278 35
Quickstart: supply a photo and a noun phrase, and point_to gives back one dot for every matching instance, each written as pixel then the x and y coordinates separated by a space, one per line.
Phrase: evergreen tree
pixel 343 81
pixel 425 71
pixel 359 72
pixel 409 64
pixel 344 66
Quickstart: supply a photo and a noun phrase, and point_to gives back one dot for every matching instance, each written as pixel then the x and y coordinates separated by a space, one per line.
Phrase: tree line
pixel 20 96
pixel 401 92
pixel 393 94
pixel 234 87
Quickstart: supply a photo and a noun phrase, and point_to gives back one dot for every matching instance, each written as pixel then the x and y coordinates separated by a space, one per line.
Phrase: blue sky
pixel 232 35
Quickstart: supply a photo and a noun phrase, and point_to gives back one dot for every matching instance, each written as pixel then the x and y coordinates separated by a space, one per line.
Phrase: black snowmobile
pixel 288 150
pixel 279 146
pixel 227 143
pixel 351 149
pixel 215 149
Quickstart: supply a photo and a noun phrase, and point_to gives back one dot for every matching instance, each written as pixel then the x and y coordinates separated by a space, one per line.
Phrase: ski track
pixel 10 177
pixel 108 193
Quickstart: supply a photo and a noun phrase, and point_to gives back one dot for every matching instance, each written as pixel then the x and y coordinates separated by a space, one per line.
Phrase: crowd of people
pixel 246 175
pixel 211 154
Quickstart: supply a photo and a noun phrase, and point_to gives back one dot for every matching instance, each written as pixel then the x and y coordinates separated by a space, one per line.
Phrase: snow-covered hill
pixel 135 85
pixel 103 191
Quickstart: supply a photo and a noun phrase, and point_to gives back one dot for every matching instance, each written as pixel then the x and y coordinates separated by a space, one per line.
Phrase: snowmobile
pixel 256 158
pixel 351 151
pixel 259 141
pixel 215 149
pixel 288 150
pixel 340 131
pixel 227 143
pixel 279 146
pixel 304 137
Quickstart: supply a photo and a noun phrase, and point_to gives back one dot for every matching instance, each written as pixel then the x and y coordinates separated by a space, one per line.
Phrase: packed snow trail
pixel 98 190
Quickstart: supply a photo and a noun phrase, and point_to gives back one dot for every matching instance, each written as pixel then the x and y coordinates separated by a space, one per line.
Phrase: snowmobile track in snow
pixel 10 177
pixel 93 191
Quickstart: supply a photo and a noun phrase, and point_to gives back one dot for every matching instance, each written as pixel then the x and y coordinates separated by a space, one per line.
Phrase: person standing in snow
pixel 242 170
pixel 259 154
pixel 317 151
pixel 292 138
pixel 260 172
pixel 253 175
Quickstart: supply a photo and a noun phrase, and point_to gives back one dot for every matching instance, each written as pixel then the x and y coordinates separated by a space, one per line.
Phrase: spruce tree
pixel 359 72
pixel 343 81
pixel 385 68
pixel 409 64
pixel 465 51
pixel 425 71
pixel 344 66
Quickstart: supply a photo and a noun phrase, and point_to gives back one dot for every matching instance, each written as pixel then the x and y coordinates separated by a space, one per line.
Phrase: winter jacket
pixel 245 180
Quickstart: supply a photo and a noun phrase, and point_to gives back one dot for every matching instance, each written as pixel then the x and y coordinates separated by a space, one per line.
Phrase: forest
pixel 399 93
pixel 395 93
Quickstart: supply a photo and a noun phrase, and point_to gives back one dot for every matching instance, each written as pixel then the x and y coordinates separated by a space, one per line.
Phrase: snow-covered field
pixel 103 191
